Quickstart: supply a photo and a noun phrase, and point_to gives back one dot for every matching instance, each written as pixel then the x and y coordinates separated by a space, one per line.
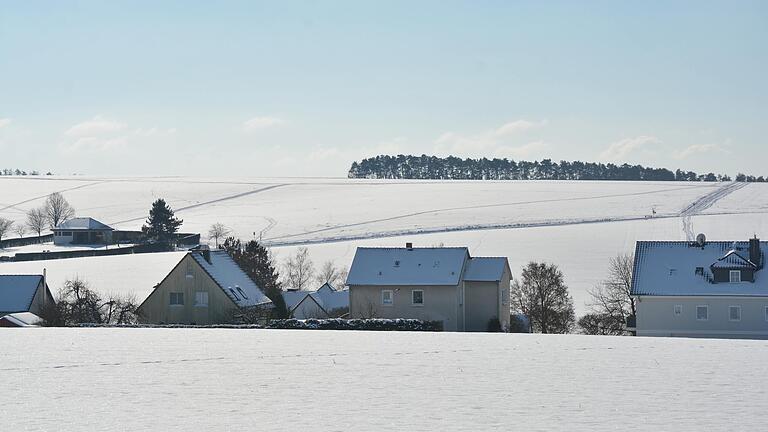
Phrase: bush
pixel 494 325
pixel 358 324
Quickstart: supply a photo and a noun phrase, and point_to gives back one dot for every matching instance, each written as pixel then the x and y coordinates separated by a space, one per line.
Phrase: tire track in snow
pixel 703 203
pixel 214 201
pixel 14 205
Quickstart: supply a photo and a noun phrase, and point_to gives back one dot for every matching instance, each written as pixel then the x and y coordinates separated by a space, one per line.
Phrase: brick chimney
pixel 409 246
pixel 755 255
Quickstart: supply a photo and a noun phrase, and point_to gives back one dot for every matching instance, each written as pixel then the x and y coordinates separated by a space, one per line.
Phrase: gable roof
pixel 17 291
pixel 229 276
pixel 486 269
pixel 293 298
pixel 407 266
pixel 733 259
pixel 22 319
pixel 83 224
pixel 670 269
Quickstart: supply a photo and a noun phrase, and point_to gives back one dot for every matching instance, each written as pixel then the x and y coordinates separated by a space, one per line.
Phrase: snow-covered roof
pixel 679 268
pixel 83 223
pixel 17 291
pixel 22 319
pixel 131 275
pixel 326 296
pixel 231 278
pixel 293 298
pixel 407 266
pixel 486 269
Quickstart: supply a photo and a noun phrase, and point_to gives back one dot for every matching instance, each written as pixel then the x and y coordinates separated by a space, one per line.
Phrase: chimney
pixel 205 251
pixel 755 254
pixel 409 246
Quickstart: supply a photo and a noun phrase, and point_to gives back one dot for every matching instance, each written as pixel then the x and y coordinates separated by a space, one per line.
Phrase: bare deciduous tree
pixel 57 209
pixel 20 229
pixel 331 275
pixel 218 231
pixel 298 270
pixel 5 227
pixel 37 220
pixel 541 294
pixel 78 303
pixel 612 299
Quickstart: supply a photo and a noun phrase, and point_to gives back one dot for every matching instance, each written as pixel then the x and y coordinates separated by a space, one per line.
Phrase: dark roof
pixel 83 224
pixel 18 291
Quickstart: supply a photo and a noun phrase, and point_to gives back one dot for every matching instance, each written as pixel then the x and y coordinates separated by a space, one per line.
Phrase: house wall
pixel 157 309
pixel 308 308
pixel 655 317
pixel 59 239
pixel 482 304
pixel 440 303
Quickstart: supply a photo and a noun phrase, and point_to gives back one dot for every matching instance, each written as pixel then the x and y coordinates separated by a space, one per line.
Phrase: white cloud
pixel 500 142
pixel 4 122
pixel 256 123
pixel 516 126
pixel 93 144
pixel 95 127
pixel 619 150
pixel 699 148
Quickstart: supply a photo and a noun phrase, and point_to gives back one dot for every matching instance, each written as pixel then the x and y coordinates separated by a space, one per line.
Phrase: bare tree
pixel 298 270
pixel 57 209
pixel 20 229
pixel 331 275
pixel 5 227
pixel 218 231
pixel 612 300
pixel 541 294
pixel 78 303
pixel 37 220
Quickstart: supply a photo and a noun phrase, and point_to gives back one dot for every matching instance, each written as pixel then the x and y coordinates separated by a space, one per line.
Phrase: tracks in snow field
pixel 704 203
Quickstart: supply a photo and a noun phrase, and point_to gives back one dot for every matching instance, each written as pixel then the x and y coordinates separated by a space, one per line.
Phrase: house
pixel 20 319
pixel 205 287
pixel 700 289
pixel 83 230
pixel 438 284
pixel 23 293
pixel 325 302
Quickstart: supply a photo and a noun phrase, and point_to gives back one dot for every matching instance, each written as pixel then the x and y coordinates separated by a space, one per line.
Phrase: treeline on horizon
pixel 454 168
pixel 18 172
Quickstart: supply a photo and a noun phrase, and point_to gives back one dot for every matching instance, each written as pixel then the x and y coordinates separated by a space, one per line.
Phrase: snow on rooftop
pixel 131 275
pixel 407 266
pixel 670 268
pixel 23 319
pixel 17 291
pixel 83 223
pixel 230 277
pixel 326 296
pixel 486 269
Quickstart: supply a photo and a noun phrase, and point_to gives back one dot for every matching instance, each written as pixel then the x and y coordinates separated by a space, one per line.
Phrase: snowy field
pixel 577 225
pixel 194 379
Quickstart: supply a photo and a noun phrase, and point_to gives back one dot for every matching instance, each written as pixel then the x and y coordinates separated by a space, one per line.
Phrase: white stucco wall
pixel 440 304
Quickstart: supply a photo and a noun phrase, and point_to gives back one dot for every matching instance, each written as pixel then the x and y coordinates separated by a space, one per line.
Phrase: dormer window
pixel 735 276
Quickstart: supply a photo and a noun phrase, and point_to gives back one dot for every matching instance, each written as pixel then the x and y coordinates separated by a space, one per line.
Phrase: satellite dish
pixel 701 239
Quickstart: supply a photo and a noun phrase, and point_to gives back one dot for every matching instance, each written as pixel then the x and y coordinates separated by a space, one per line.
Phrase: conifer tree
pixel 256 262
pixel 161 224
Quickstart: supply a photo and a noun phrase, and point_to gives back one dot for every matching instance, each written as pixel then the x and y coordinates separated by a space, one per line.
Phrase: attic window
pixel 241 292
pixel 700 271
pixel 234 294
pixel 735 276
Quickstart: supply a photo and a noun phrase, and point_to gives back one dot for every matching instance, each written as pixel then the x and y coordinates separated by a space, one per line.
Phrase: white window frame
pixel 706 308
pixel 391 298
pixel 197 298
pixel 734 272
pixel 730 318
pixel 170 297
pixel 422 298
pixel 677 310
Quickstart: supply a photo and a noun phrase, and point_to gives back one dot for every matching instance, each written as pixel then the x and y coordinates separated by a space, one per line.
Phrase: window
pixel 177 299
pixel 387 297
pixel 702 313
pixel 678 310
pixel 190 274
pixel 417 297
pixel 201 299
pixel 734 313
pixel 735 275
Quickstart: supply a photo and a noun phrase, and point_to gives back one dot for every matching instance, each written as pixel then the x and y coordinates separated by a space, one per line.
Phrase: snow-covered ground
pixel 223 379
pixel 577 225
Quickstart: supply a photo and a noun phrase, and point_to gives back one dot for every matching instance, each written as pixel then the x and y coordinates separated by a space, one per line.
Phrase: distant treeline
pixel 18 172
pixel 454 168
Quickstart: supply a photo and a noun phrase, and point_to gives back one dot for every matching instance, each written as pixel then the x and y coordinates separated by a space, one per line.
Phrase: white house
pixel 437 284
pixel 82 231
pixel 325 302
pixel 701 289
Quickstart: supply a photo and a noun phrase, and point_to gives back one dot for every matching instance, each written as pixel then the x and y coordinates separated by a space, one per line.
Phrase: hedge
pixel 375 324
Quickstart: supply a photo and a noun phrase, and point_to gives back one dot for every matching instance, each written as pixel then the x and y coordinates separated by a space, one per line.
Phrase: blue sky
pixel 295 88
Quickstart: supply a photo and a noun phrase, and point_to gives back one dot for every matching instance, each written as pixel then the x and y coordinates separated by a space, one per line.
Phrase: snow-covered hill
pixel 224 379
pixel 578 225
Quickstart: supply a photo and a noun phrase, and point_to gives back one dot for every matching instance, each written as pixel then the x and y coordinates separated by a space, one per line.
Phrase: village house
pixel 205 287
pixel 82 231
pixel 23 293
pixel 704 288
pixel 437 284
pixel 325 302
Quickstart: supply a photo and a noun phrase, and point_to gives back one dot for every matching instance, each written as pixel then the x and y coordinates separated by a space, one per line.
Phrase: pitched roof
pixel 231 278
pixel 670 268
pixel 17 291
pixel 407 266
pixel 326 296
pixel 22 319
pixel 486 269
pixel 83 224
pixel 293 298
